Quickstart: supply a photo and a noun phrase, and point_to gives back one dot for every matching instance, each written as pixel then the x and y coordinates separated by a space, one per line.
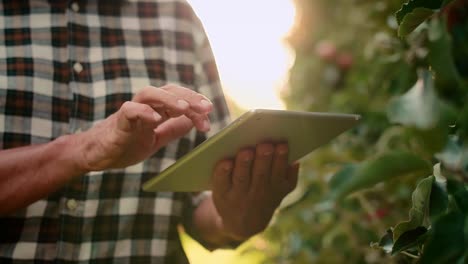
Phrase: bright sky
pixel 246 37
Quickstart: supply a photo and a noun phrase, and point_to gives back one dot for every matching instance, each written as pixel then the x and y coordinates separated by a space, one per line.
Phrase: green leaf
pixel 413 19
pixel 462 123
pixel 382 168
pixel 441 60
pixel 459 193
pixel 446 244
pixel 386 242
pixel 413 4
pixel 419 107
pixel 410 239
pixel 341 177
pixel 419 210
pixel 438 201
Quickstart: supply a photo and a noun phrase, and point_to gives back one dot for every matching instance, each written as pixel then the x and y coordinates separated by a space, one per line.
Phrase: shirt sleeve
pixel 207 82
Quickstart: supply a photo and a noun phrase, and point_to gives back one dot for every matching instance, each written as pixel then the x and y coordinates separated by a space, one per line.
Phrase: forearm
pixel 208 226
pixel 30 173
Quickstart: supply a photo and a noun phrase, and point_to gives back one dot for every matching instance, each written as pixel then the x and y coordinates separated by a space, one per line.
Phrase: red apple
pixel 326 50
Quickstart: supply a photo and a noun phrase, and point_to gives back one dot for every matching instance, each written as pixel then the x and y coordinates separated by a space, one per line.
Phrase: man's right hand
pixel 153 118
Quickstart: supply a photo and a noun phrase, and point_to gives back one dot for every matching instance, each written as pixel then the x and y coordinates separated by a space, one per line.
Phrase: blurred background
pixel 392 190
pixel 247 40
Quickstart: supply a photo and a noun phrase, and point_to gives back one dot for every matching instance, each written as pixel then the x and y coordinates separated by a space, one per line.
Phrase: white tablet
pixel 304 132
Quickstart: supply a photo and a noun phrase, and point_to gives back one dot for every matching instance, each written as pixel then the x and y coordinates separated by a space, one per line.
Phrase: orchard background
pixel 394 188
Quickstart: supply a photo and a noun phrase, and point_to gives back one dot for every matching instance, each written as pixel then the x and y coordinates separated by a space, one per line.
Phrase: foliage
pixel 398 181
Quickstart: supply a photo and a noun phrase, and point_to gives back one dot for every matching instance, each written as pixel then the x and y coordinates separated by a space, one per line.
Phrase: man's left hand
pixel 248 189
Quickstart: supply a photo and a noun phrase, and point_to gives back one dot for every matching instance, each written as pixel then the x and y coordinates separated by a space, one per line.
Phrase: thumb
pixel 172 129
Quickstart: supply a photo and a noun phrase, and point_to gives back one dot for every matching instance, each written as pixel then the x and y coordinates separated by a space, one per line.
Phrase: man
pixel 82 128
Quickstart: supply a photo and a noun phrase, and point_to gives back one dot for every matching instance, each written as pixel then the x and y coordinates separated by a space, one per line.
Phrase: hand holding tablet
pixel 303 131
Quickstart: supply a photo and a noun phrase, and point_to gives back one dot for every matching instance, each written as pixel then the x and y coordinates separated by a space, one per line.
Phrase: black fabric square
pixel 156 69
pixel 112 37
pixel 19 103
pixel 84 107
pixel 115 101
pixel 115 68
pixel 11 229
pixel 17 36
pixel 16 8
pixel 20 66
pixel 151 38
pixel 14 140
pixel 60 109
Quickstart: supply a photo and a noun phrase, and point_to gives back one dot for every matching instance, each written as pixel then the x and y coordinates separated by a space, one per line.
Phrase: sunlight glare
pixel 246 37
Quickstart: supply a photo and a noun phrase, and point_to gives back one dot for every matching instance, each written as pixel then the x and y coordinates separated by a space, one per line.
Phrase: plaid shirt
pixel 65 66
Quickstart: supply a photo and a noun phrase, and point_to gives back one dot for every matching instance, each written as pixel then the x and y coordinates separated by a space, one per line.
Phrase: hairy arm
pixel 30 173
pixel 154 117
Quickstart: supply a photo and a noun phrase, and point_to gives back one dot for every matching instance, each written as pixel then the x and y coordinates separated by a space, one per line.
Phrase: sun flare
pixel 247 40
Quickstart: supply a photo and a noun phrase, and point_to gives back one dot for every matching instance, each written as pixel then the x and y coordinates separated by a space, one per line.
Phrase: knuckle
pixel 126 106
pixel 240 178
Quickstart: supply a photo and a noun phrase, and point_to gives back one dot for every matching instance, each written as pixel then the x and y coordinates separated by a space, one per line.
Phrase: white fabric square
pixel 2 122
pixel 134 53
pixel 163 206
pixel 42 52
pixel 95 54
pixel 99 89
pixel 131 23
pixel 85 251
pixel 24 250
pixel 3 78
pixel 123 248
pixel 36 209
pixel 128 206
pixel 137 168
pixel 41 127
pixel 43 86
pixel 138 84
pixel 42 20
pixel 158 247
pixel 90 208
pixel 92 20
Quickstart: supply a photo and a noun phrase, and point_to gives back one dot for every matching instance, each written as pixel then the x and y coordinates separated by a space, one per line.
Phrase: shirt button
pixel 72 204
pixel 77 67
pixel 75 6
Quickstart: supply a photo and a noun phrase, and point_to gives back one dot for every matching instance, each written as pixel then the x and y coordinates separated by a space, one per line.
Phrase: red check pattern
pixel 65 66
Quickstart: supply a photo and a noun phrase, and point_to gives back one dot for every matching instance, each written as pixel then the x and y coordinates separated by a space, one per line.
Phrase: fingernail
pixel 206 125
pixel 205 103
pixel 157 116
pixel 282 150
pixel 248 157
pixel 227 167
pixel 182 103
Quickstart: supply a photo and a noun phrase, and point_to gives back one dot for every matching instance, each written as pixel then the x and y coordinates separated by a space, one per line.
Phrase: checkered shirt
pixel 65 66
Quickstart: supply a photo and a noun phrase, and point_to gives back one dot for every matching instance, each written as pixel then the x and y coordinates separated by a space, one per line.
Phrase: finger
pixel 242 171
pixel 291 179
pixel 262 166
pixel 131 112
pixel 170 101
pixel 198 102
pixel 172 129
pixel 201 121
pixel 222 178
pixel 280 165
pixel 165 103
